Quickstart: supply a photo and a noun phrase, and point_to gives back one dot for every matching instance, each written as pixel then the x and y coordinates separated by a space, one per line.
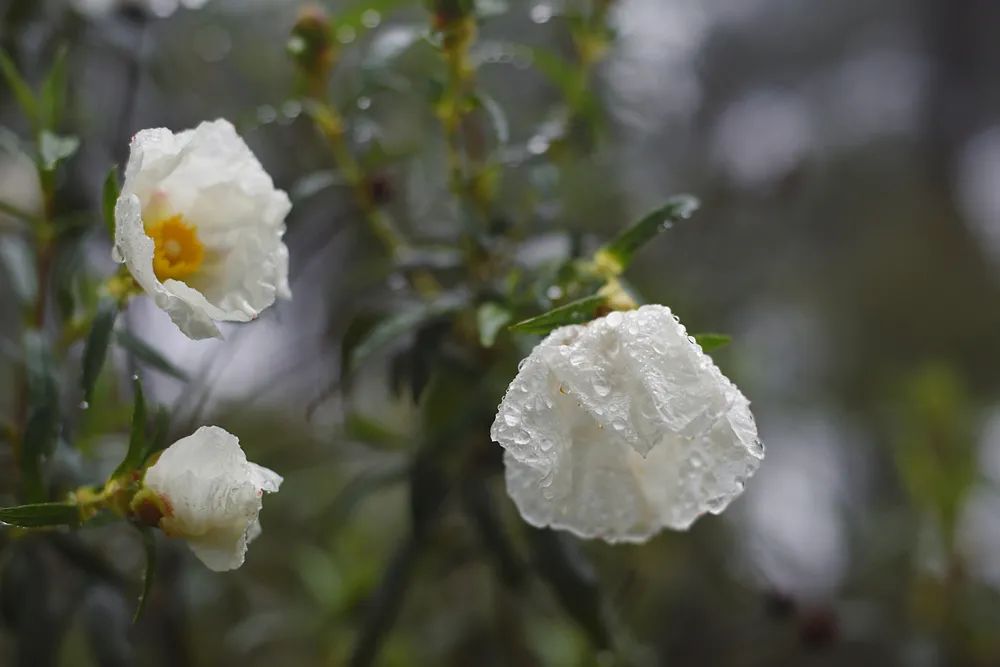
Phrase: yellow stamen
pixel 178 251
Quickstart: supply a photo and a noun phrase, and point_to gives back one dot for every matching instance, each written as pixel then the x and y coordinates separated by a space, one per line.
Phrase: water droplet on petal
pixel 601 387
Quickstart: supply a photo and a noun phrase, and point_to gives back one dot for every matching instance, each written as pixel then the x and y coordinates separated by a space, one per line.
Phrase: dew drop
pixel 554 292
pixel 601 387
pixel 266 114
pixel 614 319
pixel 364 102
pixel 84 405
pixel 521 437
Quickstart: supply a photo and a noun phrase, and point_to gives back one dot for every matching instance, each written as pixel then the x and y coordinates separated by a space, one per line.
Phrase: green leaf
pixel 96 349
pixel 42 426
pixel 712 341
pixel 491 317
pixel 16 213
pixel 617 255
pixel 109 196
pixel 52 98
pixel 54 148
pixel 398 325
pixel 137 438
pixel 40 515
pixel 148 355
pixel 149 546
pixel 19 263
pixel 574 312
pixel 498 119
pixel 20 88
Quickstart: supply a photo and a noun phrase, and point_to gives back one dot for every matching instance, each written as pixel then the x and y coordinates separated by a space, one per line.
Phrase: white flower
pixel 622 427
pixel 199 225
pixel 210 495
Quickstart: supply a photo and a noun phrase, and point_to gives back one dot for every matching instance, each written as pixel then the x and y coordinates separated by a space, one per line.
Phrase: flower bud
pixel 622 427
pixel 203 490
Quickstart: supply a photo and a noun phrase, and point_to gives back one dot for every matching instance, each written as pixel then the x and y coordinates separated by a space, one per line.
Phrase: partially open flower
pixel 623 427
pixel 199 224
pixel 204 490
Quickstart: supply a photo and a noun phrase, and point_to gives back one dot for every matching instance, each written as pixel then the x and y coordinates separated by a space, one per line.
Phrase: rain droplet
pixel 521 437
pixel 364 102
pixel 291 109
pixel 618 425
pixel 84 405
pixel 554 292
pixel 614 319
pixel 601 387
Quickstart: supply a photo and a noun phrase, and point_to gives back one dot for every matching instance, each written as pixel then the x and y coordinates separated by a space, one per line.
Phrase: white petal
pixel 622 427
pixel 210 177
pixel 213 494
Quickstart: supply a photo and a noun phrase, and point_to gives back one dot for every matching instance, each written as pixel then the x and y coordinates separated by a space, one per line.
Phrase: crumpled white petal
pixel 209 177
pixel 622 427
pixel 212 495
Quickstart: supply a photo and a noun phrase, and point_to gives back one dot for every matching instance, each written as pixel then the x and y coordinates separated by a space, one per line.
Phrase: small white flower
pixel 199 224
pixel 623 427
pixel 210 495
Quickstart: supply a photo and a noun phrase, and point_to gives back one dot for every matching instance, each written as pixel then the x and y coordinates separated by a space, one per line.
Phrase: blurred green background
pixel 847 156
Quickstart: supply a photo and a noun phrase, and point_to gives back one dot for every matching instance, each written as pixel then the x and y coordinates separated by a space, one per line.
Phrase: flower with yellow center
pixel 199 224
pixel 177 250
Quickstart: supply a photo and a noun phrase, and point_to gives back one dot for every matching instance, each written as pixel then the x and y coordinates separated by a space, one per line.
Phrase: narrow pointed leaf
pixel 617 255
pixel 41 515
pixel 19 264
pixel 149 545
pixel 96 349
pixel 22 91
pixel 109 195
pixel 148 355
pixel 51 100
pixel 400 324
pixel 712 341
pixel 137 438
pixel 42 425
pixel 574 312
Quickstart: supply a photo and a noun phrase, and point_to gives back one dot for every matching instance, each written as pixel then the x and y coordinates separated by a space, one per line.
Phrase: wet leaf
pixel 712 341
pixel 109 196
pixel 40 515
pixel 22 91
pixel 19 263
pixel 52 97
pixel 148 355
pixel 96 349
pixel 137 438
pixel 149 546
pixel 574 312
pixel 42 425
pixel 617 255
